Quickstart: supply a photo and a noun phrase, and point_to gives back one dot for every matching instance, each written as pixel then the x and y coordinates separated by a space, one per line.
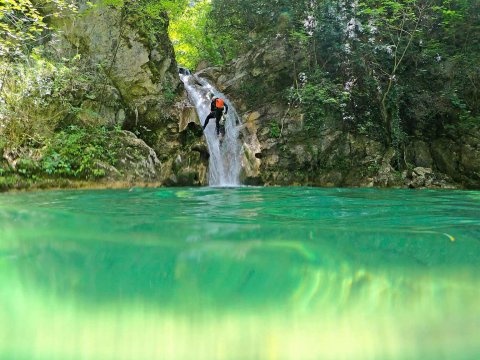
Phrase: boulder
pixel 386 173
pixel 422 172
pixel 136 160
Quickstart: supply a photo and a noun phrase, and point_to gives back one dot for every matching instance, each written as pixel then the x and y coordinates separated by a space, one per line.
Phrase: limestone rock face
pixel 446 155
pixel 278 149
pixel 142 93
pixel 136 160
pixel 188 115
pixel 459 158
pixel 182 149
pixel 419 154
pixel 251 149
pixel 140 67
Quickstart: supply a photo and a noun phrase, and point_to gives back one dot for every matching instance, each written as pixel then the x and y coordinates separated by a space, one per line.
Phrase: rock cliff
pixel 278 149
pixel 141 93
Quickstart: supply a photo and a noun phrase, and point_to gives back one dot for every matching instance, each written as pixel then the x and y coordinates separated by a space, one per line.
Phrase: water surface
pixel 245 273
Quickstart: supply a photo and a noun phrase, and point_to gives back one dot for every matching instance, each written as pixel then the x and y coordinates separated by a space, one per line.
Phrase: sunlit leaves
pixel 22 21
pixel 189 33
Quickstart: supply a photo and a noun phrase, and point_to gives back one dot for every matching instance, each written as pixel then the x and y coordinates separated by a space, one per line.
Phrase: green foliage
pixel 467 121
pixel 149 17
pixel 22 23
pixel 319 97
pixel 254 20
pixel 9 181
pixel 149 9
pixel 254 92
pixel 38 96
pixel 220 30
pixel 388 69
pixel 169 93
pixel 192 37
pixel 80 153
pixel 275 131
pixel 29 110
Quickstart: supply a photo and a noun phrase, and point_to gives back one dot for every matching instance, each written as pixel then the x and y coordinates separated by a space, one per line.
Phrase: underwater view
pixel 240 273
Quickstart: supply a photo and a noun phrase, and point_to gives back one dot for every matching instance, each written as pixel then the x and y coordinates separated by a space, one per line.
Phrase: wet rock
pixel 183 71
pixel 188 115
pixel 120 117
pixel 331 178
pixel 202 149
pixel 418 153
pixel 210 73
pixel 422 172
pixel 420 178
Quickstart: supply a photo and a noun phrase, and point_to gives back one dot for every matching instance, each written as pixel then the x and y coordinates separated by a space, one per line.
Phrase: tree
pixel 22 22
pixel 191 36
pixel 393 27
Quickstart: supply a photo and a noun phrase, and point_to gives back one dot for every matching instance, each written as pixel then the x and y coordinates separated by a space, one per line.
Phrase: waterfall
pixel 224 163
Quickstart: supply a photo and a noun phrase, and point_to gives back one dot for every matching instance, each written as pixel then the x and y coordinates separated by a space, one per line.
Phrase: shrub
pixel 80 152
pixel 318 97
pixel 37 96
pixel 275 131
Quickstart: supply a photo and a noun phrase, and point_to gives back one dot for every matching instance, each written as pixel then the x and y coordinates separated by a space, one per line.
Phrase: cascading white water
pixel 224 164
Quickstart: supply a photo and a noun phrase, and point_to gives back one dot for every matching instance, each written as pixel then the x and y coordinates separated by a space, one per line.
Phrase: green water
pixel 250 273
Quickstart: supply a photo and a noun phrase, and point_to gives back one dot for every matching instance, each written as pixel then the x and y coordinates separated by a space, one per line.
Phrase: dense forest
pixel 391 70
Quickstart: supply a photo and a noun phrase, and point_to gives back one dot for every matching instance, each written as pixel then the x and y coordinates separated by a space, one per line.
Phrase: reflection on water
pixel 246 273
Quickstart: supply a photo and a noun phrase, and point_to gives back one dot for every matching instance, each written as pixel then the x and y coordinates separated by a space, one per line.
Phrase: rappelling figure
pixel 217 108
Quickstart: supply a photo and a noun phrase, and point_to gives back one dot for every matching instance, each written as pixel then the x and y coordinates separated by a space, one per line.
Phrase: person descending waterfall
pixel 217 106
pixel 225 153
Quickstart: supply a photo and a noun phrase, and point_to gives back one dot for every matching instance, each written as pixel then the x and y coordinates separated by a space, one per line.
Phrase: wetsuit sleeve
pixel 212 105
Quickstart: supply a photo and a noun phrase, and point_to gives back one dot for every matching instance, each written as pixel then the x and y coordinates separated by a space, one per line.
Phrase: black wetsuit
pixel 215 113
